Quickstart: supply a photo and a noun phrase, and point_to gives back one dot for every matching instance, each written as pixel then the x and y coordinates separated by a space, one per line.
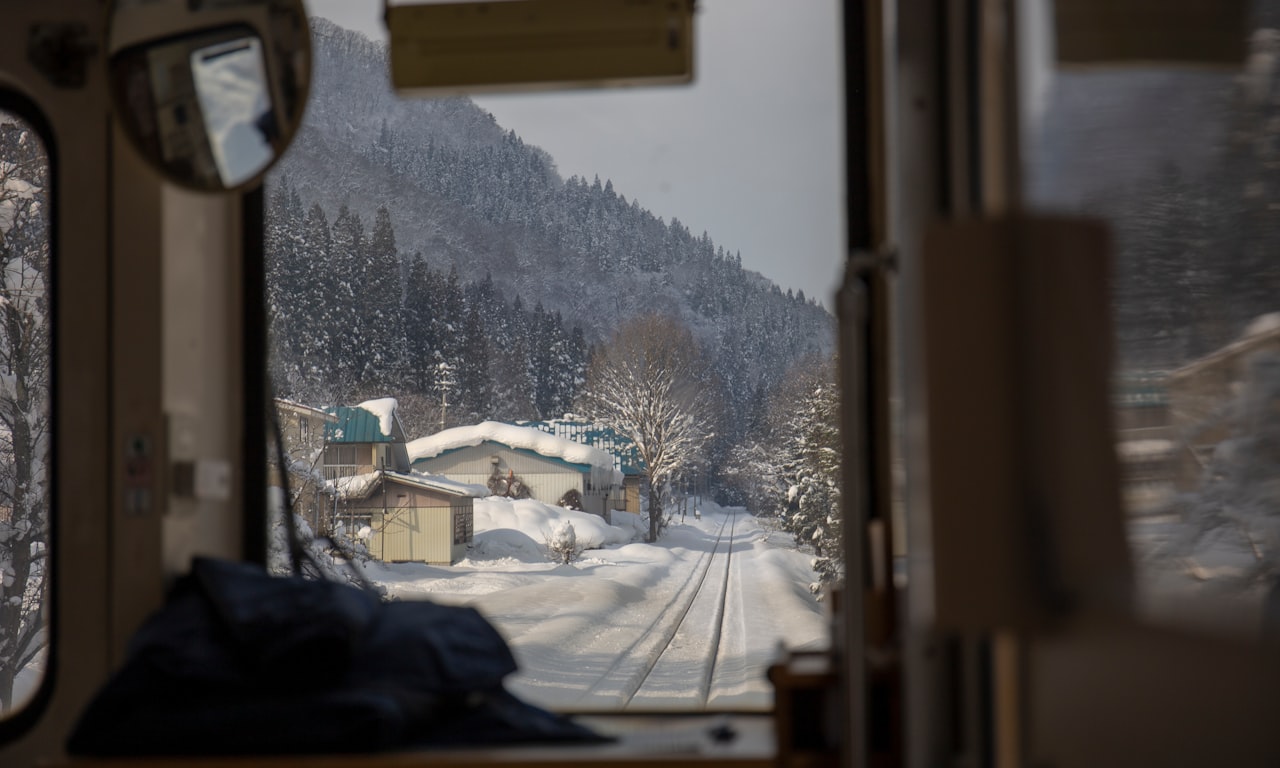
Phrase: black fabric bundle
pixel 239 662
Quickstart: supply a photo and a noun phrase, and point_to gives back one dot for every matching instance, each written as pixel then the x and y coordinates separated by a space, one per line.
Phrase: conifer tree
pixel 378 303
pixel 474 403
pixel 420 328
pixel 347 348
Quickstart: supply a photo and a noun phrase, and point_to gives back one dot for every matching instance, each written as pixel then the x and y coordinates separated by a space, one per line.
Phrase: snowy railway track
pixel 689 623
pixel 680 667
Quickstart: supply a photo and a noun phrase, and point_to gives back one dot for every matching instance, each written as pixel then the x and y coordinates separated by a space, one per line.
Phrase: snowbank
pixel 496 518
pixel 1138 449
pixel 630 521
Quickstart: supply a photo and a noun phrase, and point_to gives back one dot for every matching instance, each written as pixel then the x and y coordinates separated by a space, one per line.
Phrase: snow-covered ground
pixel 1199 589
pixel 585 633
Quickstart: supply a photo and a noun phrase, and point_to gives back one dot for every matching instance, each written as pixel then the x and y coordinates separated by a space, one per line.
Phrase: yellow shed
pixel 415 517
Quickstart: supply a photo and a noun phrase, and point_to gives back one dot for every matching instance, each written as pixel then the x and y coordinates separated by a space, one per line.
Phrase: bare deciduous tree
pixel 650 383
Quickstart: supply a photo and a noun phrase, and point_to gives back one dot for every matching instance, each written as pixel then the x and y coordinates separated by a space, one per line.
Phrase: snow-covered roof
pixel 301 408
pixel 511 436
pixel 439 483
pixel 384 408
pixel 360 486
pixel 373 421
pixel 355 486
pixel 626 458
pixel 1263 330
pixel 1268 323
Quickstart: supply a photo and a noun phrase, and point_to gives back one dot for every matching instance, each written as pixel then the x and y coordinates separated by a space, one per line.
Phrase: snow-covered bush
pixel 571 499
pixel 562 543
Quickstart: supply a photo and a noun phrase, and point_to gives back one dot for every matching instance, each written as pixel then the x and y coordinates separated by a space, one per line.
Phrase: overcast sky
pixel 752 153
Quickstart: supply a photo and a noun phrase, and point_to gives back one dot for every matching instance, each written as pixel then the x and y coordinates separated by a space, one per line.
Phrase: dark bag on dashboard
pixel 239 662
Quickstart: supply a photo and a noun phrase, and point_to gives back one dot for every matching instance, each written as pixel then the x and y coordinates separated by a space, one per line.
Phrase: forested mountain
pixel 417 249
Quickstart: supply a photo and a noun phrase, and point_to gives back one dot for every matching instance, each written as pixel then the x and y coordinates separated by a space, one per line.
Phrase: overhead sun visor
pixel 1152 32
pixel 521 45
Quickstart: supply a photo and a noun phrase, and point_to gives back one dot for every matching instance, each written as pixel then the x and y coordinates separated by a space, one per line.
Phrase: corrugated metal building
pixel 548 478
pixel 416 518
pixel 626 459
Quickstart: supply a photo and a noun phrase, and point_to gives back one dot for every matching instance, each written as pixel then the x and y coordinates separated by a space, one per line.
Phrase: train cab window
pixel 469 286
pixel 1183 163
pixel 25 433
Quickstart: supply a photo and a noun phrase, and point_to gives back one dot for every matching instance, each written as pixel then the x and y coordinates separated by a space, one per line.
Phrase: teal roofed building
pixel 522 462
pixel 626 459
pixel 364 438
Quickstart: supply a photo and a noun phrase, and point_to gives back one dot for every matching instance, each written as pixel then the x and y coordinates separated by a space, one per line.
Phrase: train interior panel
pixel 722 383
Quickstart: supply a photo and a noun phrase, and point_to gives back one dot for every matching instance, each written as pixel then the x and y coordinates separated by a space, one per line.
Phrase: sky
pixel 752 153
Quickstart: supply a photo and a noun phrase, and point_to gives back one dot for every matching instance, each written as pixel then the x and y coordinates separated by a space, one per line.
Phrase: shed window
pixel 463 526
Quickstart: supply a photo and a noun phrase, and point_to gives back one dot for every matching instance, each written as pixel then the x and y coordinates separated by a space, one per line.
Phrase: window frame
pixel 864 219
pixel 15 724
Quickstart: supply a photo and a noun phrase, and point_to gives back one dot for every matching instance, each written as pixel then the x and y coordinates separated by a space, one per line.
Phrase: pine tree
pixel 379 307
pixel 420 329
pixel 310 332
pixel 285 269
pixel 347 349
pixel 474 401
pixel 803 426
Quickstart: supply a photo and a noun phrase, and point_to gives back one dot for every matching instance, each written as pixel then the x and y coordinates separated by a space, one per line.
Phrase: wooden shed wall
pixel 423 534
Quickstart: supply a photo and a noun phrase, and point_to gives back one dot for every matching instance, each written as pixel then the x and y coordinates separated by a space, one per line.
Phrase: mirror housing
pixel 210 94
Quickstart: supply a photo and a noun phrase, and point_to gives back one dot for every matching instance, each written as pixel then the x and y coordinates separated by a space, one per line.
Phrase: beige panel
pixel 548 479
pixel 437 532
pixel 80 125
pixel 1025 489
pixel 423 534
pixel 203 365
pixel 1116 695
pixel 135 372
pixel 549 488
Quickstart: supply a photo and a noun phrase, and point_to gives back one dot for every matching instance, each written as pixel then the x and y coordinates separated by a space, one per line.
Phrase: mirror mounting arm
pixel 61 52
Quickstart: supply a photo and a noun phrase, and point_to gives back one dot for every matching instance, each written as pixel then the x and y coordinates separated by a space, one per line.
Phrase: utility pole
pixel 445 381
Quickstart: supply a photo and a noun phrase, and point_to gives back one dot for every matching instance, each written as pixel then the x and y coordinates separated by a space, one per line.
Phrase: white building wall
pixel 548 479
